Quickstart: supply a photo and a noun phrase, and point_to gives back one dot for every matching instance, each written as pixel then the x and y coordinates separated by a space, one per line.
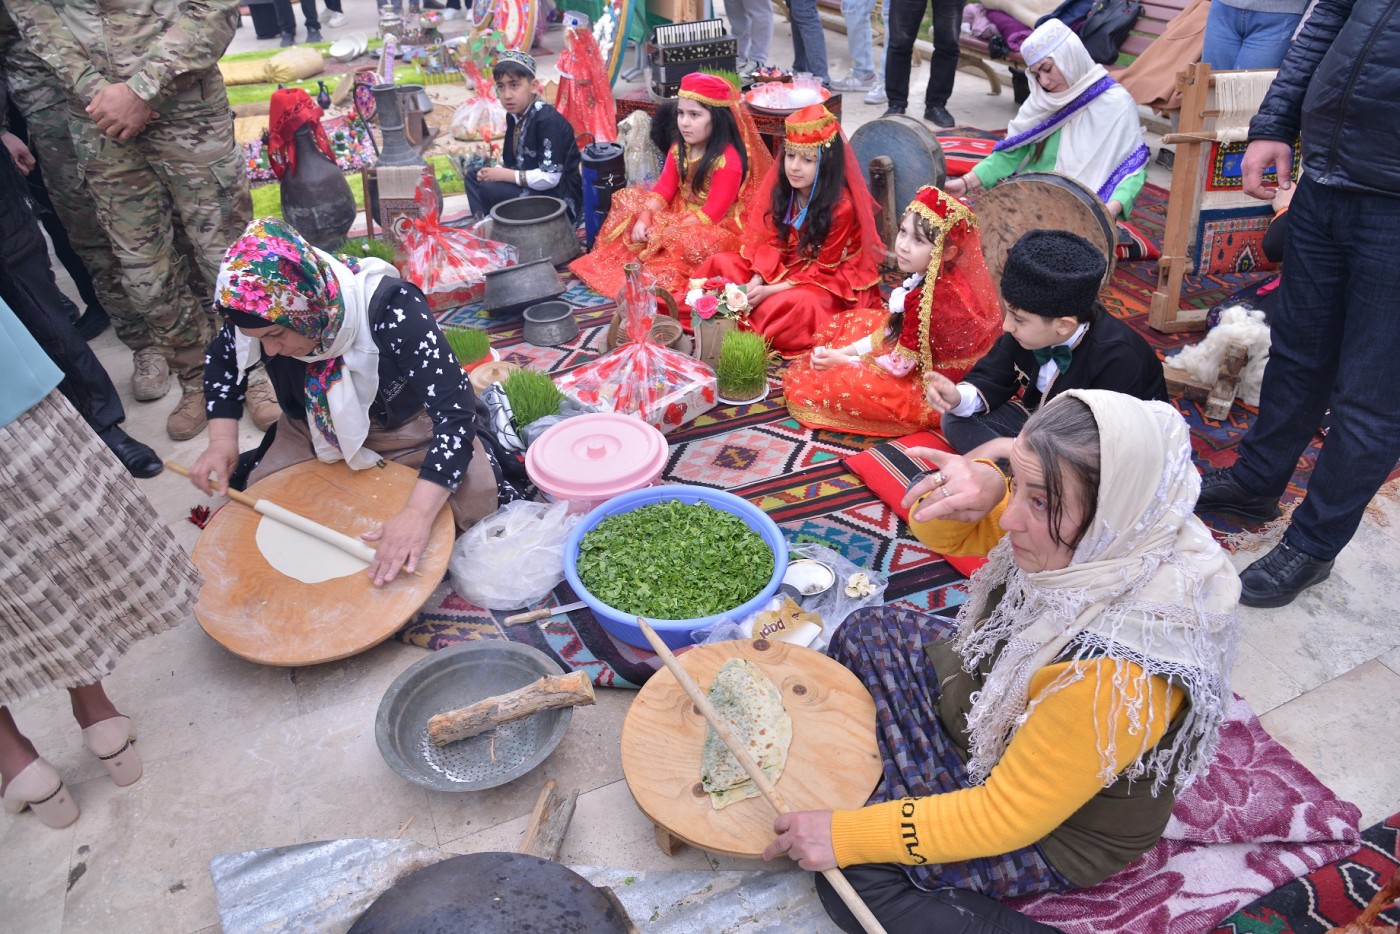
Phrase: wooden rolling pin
pixel 352 546
pixel 702 703
pixel 574 689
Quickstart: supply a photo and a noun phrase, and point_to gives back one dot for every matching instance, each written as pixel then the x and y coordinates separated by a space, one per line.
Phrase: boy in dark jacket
pixel 1057 337
pixel 540 156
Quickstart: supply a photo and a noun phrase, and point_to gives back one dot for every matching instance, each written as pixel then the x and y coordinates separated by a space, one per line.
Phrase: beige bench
pixel 1155 16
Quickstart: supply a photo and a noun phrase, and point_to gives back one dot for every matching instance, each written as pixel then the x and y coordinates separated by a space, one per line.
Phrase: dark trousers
pixel 28 287
pixel 903 29
pixel 1335 341
pixel 483 196
pixel 286 18
pixel 44 211
pixel 964 433
pixel 903 908
pixel 808 39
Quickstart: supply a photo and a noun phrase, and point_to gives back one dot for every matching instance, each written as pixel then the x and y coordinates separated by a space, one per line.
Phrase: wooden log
pixel 544 835
pixel 572 690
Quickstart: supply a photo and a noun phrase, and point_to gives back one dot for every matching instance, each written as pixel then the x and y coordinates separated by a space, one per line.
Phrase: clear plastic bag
pixel 481 116
pixel 448 264
pixel 513 557
pixel 832 605
pixel 664 387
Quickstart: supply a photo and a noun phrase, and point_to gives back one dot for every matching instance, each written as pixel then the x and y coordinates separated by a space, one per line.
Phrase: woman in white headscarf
pixel 1078 122
pixel 1038 744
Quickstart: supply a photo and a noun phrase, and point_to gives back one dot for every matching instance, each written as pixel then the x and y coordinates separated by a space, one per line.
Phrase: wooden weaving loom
pixel 1215 108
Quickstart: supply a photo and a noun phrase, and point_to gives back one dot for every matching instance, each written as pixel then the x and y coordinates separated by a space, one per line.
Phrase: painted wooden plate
pixel 516 21
pixel 482 13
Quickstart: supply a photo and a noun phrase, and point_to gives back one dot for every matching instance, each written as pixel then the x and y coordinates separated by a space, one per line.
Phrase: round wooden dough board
pixel 833 761
pixel 262 615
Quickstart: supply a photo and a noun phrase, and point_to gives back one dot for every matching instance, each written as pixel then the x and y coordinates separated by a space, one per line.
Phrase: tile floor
pixel 240 756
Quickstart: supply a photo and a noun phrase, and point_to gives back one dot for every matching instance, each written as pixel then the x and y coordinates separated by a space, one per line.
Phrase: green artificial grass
pixel 267 199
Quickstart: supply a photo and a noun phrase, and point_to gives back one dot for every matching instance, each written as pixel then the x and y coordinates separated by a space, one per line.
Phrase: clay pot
pixel 316 198
pixel 549 324
pixel 538 226
pixel 516 288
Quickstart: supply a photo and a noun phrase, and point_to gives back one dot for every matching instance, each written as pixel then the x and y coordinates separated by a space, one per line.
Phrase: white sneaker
pixel 336 20
pixel 877 94
pixel 851 83
pixel 450 13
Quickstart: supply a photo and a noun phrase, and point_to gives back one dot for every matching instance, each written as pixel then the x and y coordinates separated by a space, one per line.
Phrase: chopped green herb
pixel 671 560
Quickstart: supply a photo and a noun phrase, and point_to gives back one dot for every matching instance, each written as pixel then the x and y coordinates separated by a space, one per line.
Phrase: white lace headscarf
pixel 1147 584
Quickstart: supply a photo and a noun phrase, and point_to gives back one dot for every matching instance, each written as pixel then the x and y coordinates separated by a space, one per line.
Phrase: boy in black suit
pixel 1058 337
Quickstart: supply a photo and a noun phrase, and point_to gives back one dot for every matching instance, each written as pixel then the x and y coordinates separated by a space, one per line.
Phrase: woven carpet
pixel 1330 896
pixel 795 474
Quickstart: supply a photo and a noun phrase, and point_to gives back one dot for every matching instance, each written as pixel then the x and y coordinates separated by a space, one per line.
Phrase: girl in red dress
pixel 866 374
pixel 811 250
pixel 697 205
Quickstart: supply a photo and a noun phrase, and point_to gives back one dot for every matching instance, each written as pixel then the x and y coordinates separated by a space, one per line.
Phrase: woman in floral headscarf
pixel 362 373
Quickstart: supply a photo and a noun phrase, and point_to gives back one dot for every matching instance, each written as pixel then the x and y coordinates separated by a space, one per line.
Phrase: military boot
pixel 189 417
pixel 261 403
pixel 150 375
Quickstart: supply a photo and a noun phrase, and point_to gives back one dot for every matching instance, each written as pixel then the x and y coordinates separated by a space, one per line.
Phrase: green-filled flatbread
pixel 752 705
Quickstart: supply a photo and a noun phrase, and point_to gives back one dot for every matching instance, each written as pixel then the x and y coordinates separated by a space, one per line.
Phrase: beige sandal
pixel 39 787
pixel 111 741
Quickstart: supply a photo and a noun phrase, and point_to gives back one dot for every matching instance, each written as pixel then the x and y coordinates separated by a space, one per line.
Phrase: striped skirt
pixel 87 569
pixel 884 646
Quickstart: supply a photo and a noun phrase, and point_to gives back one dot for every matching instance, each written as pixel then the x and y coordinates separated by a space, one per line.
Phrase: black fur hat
pixel 1054 274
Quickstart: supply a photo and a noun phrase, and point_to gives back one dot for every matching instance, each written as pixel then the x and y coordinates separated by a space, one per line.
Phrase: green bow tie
pixel 1061 355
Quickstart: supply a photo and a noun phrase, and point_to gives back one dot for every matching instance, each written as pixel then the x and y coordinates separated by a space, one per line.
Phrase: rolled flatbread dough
pixel 752 706
pixel 304 557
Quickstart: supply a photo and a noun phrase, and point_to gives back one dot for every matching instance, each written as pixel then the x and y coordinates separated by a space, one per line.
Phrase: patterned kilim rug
pixel 1330 896
pixel 796 475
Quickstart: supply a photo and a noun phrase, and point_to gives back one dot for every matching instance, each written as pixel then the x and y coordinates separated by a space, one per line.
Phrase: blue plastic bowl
pixel 676 633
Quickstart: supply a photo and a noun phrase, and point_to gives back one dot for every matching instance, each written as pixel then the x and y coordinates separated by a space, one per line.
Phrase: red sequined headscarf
pixel 290 109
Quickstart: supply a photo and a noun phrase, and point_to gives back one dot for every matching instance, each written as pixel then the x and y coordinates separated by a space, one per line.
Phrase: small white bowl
pixel 810 577
pixel 343 50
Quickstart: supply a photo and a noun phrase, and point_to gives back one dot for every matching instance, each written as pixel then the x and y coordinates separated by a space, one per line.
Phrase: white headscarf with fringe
pixel 1147 585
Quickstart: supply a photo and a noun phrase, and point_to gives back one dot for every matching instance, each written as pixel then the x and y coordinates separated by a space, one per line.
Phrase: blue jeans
pixel 1238 38
pixel 1336 338
pixel 808 40
pixel 865 63
pixel 902 28
pixel 751 21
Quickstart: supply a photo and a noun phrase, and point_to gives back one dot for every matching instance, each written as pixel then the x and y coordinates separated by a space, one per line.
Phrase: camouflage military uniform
pixel 183 170
pixel 40 98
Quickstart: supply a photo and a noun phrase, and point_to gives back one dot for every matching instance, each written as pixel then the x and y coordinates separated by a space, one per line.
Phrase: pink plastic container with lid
pixel 589 459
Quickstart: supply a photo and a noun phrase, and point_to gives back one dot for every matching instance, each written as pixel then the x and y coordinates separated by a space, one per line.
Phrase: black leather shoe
pixel 893 110
pixel 1278 577
pixel 939 116
pixel 1221 492
pixel 138 459
pixel 93 322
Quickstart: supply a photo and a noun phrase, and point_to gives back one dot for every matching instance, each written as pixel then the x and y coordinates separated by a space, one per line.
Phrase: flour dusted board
pixel 832 762
pixel 260 614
